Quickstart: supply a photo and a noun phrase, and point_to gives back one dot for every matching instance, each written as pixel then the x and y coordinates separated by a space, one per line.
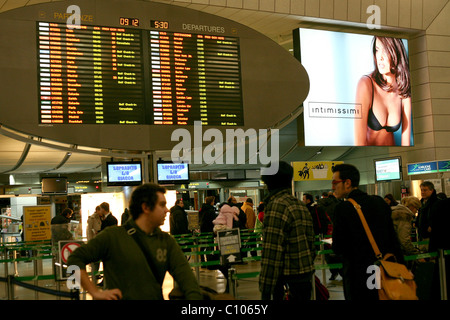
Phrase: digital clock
pixel 129 22
pixel 158 24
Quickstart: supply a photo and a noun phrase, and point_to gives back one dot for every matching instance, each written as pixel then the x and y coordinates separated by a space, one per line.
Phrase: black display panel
pixel 54 185
pixel 98 75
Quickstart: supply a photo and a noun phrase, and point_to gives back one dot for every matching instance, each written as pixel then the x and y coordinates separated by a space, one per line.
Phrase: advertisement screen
pixel 360 89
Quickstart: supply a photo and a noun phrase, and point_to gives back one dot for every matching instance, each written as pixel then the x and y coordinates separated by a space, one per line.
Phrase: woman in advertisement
pixel 385 96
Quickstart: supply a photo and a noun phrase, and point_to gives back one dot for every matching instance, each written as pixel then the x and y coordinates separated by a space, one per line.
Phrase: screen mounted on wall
pixel 388 169
pixel 172 173
pixel 360 90
pixel 54 185
pixel 124 173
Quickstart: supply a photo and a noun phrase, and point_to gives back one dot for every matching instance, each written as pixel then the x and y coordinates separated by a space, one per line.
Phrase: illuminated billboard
pixel 360 92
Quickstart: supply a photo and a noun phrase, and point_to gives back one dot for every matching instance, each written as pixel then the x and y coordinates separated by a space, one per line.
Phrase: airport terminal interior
pixel 98 97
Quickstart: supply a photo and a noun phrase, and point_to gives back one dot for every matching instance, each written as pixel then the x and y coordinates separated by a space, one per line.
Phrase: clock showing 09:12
pixel 129 22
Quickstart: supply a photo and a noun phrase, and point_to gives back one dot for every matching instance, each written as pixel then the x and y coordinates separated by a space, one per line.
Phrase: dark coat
pixel 178 220
pixel 350 241
pixel 207 215
pixel 440 222
pixel 109 221
pixel 424 216
pixel 319 217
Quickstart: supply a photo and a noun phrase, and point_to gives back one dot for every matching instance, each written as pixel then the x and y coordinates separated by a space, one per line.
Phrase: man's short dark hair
pixel 427 184
pixel 210 200
pixel 67 212
pixel 178 201
pixel 309 197
pixel 249 200
pixel 281 179
pixel 348 171
pixel 145 193
pixel 105 206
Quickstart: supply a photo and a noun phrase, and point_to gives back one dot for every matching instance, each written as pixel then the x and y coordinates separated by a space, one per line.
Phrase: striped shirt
pixel 288 239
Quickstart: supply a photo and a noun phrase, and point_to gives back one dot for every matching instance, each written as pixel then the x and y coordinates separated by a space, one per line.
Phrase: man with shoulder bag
pixel 354 243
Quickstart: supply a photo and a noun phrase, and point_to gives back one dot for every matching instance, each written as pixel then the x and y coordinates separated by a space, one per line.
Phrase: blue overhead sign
pixel 422 168
pixel 444 166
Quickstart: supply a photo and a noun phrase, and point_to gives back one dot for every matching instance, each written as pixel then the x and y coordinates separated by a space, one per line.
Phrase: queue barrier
pixel 247 234
pixel 41 251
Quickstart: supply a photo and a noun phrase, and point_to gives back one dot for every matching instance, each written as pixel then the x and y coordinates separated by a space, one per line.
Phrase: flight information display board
pixel 195 77
pixel 109 75
pixel 90 75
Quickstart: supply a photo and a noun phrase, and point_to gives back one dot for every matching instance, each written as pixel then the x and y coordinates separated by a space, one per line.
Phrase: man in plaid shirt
pixel 288 241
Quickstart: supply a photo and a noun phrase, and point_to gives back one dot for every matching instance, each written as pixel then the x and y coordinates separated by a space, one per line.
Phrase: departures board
pixel 110 75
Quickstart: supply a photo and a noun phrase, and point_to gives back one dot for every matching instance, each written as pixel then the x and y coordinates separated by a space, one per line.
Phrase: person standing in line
pixel 128 274
pixel 402 217
pixel 178 219
pixel 62 218
pixel 429 199
pixel 94 224
pixel 320 220
pixel 232 202
pixel 349 237
pixel 247 207
pixel 108 219
pixel 439 239
pixel 288 240
pixel 207 214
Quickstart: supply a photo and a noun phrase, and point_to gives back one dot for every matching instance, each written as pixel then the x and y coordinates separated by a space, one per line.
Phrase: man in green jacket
pixel 126 270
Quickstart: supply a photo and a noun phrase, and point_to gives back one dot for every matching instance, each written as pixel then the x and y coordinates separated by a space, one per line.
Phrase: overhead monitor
pixel 388 169
pixel 54 185
pixel 360 91
pixel 172 173
pixel 126 173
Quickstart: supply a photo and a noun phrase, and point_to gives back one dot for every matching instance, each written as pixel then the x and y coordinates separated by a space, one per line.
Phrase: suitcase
pixel 322 293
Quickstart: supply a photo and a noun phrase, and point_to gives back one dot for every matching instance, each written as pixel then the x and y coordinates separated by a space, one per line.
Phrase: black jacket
pixel 109 221
pixel 350 241
pixel 178 220
pixel 424 216
pixel 207 215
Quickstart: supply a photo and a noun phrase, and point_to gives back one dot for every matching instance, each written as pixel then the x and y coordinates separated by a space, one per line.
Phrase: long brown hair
pixel 399 65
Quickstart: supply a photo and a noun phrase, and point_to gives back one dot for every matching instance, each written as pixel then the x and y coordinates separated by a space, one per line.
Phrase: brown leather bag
pixel 396 281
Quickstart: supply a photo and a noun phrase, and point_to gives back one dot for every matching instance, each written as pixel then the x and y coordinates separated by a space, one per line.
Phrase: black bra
pixel 373 122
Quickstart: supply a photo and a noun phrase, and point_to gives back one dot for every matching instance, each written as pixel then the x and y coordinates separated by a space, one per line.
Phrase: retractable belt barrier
pixel 190 241
pixel 42 251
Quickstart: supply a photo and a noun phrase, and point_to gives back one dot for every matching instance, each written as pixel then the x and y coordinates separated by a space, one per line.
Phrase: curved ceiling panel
pixel 40 159
pixel 79 162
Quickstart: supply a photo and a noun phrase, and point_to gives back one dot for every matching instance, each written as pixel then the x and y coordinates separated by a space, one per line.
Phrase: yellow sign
pixel 36 221
pixel 314 170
